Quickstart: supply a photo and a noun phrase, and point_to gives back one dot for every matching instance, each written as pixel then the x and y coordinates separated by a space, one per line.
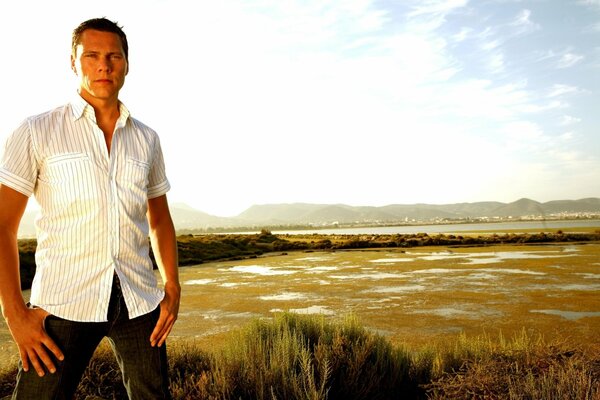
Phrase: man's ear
pixel 73 65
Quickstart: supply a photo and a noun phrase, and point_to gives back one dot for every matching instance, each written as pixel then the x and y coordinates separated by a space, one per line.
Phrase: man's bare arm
pixel 26 326
pixel 164 245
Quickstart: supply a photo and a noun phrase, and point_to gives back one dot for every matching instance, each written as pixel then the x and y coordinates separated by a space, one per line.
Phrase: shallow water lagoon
pixel 413 296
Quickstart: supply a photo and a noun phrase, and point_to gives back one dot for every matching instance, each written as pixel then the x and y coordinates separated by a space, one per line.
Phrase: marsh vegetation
pixel 306 357
pixel 505 316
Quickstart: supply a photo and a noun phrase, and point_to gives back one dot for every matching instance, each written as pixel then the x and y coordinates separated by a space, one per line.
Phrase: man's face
pixel 100 64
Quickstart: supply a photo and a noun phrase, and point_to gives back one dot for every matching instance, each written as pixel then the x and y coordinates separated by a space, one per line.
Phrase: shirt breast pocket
pixel 70 176
pixel 137 173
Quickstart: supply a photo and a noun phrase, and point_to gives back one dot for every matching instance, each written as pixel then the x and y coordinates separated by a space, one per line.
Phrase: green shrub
pixel 303 357
pixel 306 357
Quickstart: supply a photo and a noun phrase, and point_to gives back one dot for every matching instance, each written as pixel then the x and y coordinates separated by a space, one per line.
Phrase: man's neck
pixel 105 109
pixel 107 113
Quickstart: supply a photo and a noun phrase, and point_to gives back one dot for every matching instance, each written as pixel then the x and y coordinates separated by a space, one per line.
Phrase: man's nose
pixel 105 64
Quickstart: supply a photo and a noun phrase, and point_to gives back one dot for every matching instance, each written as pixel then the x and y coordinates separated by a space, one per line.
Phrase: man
pixel 99 177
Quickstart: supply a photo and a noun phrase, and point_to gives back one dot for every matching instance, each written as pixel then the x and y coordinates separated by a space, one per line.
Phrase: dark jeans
pixel 144 368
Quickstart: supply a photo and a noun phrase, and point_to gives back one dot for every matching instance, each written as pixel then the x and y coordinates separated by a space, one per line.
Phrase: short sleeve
pixel 18 165
pixel 158 184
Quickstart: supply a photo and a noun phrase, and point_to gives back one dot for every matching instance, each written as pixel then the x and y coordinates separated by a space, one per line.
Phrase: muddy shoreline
pixel 198 249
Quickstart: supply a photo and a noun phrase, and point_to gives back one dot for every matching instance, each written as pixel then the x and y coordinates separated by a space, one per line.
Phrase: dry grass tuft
pixel 306 357
pixel 524 368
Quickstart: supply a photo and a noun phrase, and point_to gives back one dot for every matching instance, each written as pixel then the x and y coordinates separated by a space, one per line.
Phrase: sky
pixel 359 102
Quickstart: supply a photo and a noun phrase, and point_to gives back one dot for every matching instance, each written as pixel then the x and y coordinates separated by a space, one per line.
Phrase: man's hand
pixel 164 245
pixel 26 325
pixel 35 346
pixel 169 308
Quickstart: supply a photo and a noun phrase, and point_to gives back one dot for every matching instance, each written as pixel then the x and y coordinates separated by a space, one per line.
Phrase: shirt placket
pixel 112 194
pixel 113 212
pixel 110 212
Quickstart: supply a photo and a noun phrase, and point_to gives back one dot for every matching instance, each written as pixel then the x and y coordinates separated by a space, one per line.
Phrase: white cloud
pixel 464 34
pixel 567 136
pixel 496 102
pixel 491 45
pixel 496 63
pixel 494 39
pixel 566 120
pixel 569 59
pixel 562 59
pixel 592 3
pixel 523 23
pixel 436 7
pixel 429 15
pixel 539 107
pixel 524 133
pixel 561 90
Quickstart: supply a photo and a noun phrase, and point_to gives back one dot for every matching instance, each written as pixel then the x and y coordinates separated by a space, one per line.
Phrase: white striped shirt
pixel 93 204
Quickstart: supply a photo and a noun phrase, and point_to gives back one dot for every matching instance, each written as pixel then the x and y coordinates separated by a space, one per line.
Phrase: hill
pixel 306 214
pixel 327 214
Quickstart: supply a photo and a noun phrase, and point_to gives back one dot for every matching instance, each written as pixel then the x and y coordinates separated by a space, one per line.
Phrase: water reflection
pixel 199 281
pixel 570 315
pixel 284 297
pixel 324 310
pixel 391 260
pixel 261 270
pixel 395 281
pixel 396 289
pixel 455 312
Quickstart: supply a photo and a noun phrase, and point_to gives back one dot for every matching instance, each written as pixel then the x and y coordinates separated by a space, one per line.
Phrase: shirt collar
pixel 80 107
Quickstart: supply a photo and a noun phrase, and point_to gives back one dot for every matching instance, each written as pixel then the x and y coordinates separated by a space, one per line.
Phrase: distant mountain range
pixel 304 214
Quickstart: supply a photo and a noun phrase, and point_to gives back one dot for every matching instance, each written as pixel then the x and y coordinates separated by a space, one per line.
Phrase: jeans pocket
pixel 49 318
